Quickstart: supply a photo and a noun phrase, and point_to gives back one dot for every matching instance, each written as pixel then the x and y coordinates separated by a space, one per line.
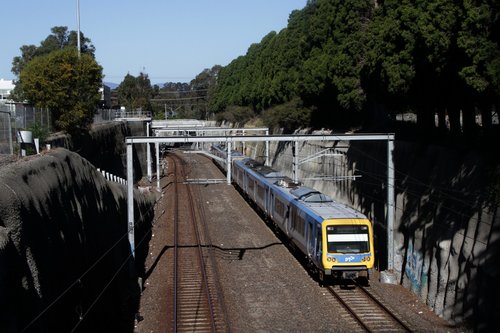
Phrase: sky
pixel 170 40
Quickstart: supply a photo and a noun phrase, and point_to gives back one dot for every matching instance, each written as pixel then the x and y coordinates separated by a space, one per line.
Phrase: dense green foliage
pixel 54 76
pixel 58 39
pixel 135 93
pixel 346 61
pixel 436 56
pixel 65 83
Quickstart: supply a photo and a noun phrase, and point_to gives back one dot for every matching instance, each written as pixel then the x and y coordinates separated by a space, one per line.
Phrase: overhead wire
pixel 419 182
pixel 82 317
pixel 443 190
pixel 78 280
pixel 380 180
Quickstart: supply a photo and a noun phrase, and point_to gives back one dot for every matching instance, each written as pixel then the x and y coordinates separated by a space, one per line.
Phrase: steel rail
pixel 373 299
pixel 176 243
pixel 348 308
pixel 388 311
pixel 179 178
pixel 200 257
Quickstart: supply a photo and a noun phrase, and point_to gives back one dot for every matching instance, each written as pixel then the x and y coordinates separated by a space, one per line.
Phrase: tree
pixel 435 56
pixel 318 58
pixel 135 93
pixel 202 87
pixel 65 83
pixel 57 40
pixel 335 48
pixel 479 38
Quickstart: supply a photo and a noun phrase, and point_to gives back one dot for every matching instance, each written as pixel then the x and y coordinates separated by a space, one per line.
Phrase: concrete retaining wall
pixel 447 226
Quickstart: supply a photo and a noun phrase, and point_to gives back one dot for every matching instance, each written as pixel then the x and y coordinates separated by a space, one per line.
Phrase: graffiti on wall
pixel 416 269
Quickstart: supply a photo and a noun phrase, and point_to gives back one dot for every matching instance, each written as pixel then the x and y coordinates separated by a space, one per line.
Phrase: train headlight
pixel 365 259
pixel 331 259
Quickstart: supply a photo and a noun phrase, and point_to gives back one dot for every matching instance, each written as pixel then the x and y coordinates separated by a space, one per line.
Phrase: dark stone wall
pixel 65 260
pixel 104 146
pixel 447 221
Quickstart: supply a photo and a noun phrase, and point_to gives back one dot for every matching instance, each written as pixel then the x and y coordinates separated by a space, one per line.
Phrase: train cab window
pixel 347 238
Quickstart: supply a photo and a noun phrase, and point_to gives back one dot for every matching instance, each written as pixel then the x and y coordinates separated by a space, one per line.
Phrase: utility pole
pixel 78 25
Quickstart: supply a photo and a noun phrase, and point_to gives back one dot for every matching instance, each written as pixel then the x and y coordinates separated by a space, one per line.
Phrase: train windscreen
pixel 347 238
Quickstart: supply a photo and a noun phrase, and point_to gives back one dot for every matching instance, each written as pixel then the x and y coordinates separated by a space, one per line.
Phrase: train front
pixel 348 248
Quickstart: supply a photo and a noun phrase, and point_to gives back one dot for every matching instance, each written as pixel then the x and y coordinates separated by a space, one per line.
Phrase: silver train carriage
pixel 337 240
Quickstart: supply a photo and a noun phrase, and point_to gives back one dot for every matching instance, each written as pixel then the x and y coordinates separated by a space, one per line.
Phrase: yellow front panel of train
pixel 347 242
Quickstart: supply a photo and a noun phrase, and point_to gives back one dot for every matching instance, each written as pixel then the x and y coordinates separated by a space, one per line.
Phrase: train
pixel 335 240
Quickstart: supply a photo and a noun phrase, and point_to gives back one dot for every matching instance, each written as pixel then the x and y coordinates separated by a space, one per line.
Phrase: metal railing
pixel 103 115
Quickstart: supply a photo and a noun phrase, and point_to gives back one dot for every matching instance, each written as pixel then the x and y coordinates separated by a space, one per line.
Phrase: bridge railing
pixel 103 115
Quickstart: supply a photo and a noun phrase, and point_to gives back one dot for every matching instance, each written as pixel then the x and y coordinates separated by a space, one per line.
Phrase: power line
pixel 109 283
pixel 78 280
pixel 181 91
pixel 177 99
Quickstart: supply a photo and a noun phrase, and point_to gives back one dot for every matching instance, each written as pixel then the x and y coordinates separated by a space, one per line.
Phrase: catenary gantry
pixel 229 140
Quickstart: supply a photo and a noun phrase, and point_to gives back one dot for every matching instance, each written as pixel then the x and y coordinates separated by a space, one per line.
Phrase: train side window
pixel 298 222
pixel 279 208
pixel 260 192
pixel 250 185
pixel 302 226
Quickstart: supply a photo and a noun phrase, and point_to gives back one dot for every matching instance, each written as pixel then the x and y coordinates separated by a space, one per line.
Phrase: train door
pixel 250 188
pixel 289 219
pixel 286 220
pixel 318 243
pixel 244 181
pixel 310 239
pixel 271 204
pixel 269 200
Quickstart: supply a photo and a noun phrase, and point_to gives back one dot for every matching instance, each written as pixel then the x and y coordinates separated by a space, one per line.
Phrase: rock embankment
pixel 65 260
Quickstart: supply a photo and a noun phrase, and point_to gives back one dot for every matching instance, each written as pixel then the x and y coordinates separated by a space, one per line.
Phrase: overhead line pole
pixel 130 197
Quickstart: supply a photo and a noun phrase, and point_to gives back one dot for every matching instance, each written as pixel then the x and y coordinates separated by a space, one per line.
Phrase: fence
pixel 19 116
pixel 112 178
pixel 6 143
pixel 16 116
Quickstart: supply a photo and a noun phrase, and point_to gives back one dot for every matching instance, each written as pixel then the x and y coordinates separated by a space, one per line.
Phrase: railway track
pixel 197 304
pixel 370 314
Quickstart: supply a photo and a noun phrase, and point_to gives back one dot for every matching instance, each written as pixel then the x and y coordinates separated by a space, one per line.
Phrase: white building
pixel 6 86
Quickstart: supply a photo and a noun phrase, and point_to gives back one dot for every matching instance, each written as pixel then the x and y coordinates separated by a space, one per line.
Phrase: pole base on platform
pixel 388 277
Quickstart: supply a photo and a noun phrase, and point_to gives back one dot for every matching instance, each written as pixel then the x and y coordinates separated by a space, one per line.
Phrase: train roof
pixel 320 204
pixel 304 197
pixel 263 169
pixel 335 210
pixel 308 194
